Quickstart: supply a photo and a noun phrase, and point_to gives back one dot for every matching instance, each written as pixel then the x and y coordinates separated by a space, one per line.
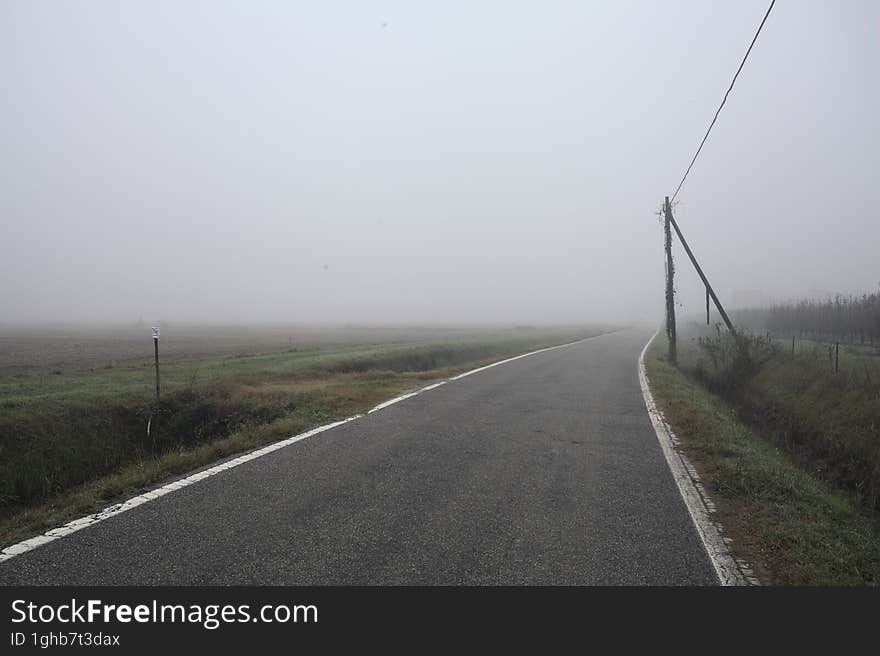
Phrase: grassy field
pixel 827 420
pixel 778 488
pixel 73 433
pixel 68 374
pixel 46 349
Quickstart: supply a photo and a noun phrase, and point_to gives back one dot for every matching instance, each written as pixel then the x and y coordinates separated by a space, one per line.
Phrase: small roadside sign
pixel 156 347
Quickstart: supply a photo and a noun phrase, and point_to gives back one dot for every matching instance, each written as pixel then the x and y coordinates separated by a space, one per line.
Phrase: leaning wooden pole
pixel 687 249
pixel 670 286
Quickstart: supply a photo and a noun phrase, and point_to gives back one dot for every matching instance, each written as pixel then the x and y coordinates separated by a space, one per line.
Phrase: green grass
pixel 139 380
pixel 793 526
pixel 828 421
pixel 76 443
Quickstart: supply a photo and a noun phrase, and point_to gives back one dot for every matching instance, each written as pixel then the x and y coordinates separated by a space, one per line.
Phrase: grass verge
pixel 62 460
pixel 793 527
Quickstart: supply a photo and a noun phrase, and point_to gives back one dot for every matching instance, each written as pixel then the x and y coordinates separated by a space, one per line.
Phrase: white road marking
pixel 119 508
pixel 729 570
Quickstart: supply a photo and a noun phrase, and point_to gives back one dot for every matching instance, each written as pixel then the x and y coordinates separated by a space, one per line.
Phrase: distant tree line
pixel 854 319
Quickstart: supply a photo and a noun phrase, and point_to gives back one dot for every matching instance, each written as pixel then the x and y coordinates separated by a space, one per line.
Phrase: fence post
pixel 707 305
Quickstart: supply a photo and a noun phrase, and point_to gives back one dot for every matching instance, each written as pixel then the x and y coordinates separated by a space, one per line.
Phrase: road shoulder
pixel 790 526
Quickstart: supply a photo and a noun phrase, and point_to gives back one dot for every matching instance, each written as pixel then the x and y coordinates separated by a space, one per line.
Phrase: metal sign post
pixel 156 347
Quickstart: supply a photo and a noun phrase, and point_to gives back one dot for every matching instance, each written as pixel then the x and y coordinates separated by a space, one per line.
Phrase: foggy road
pixel 543 470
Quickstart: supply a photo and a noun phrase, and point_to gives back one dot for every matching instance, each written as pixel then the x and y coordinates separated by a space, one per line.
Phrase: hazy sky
pixel 429 161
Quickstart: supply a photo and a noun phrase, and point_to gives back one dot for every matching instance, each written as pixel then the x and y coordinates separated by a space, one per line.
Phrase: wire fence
pixel 840 336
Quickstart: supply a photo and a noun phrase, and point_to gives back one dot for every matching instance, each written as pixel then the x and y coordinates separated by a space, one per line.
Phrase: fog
pixel 422 162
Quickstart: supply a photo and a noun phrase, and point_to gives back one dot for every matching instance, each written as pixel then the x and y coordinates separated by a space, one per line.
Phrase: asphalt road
pixel 544 470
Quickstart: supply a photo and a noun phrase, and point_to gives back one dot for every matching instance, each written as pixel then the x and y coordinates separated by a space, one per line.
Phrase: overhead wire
pixel 724 100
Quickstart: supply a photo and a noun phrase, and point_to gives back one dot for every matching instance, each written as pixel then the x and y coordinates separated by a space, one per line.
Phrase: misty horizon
pixel 493 163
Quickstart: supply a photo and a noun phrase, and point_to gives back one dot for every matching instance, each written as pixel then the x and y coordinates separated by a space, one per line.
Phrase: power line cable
pixel 729 89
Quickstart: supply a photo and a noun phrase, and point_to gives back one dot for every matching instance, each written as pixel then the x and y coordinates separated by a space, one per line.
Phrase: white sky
pixel 484 161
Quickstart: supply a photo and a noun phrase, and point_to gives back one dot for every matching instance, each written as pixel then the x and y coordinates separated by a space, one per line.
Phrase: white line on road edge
pixel 730 571
pixel 134 502
pixel 111 511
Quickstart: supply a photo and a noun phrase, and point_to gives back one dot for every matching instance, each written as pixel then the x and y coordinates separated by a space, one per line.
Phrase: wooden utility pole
pixel 670 287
